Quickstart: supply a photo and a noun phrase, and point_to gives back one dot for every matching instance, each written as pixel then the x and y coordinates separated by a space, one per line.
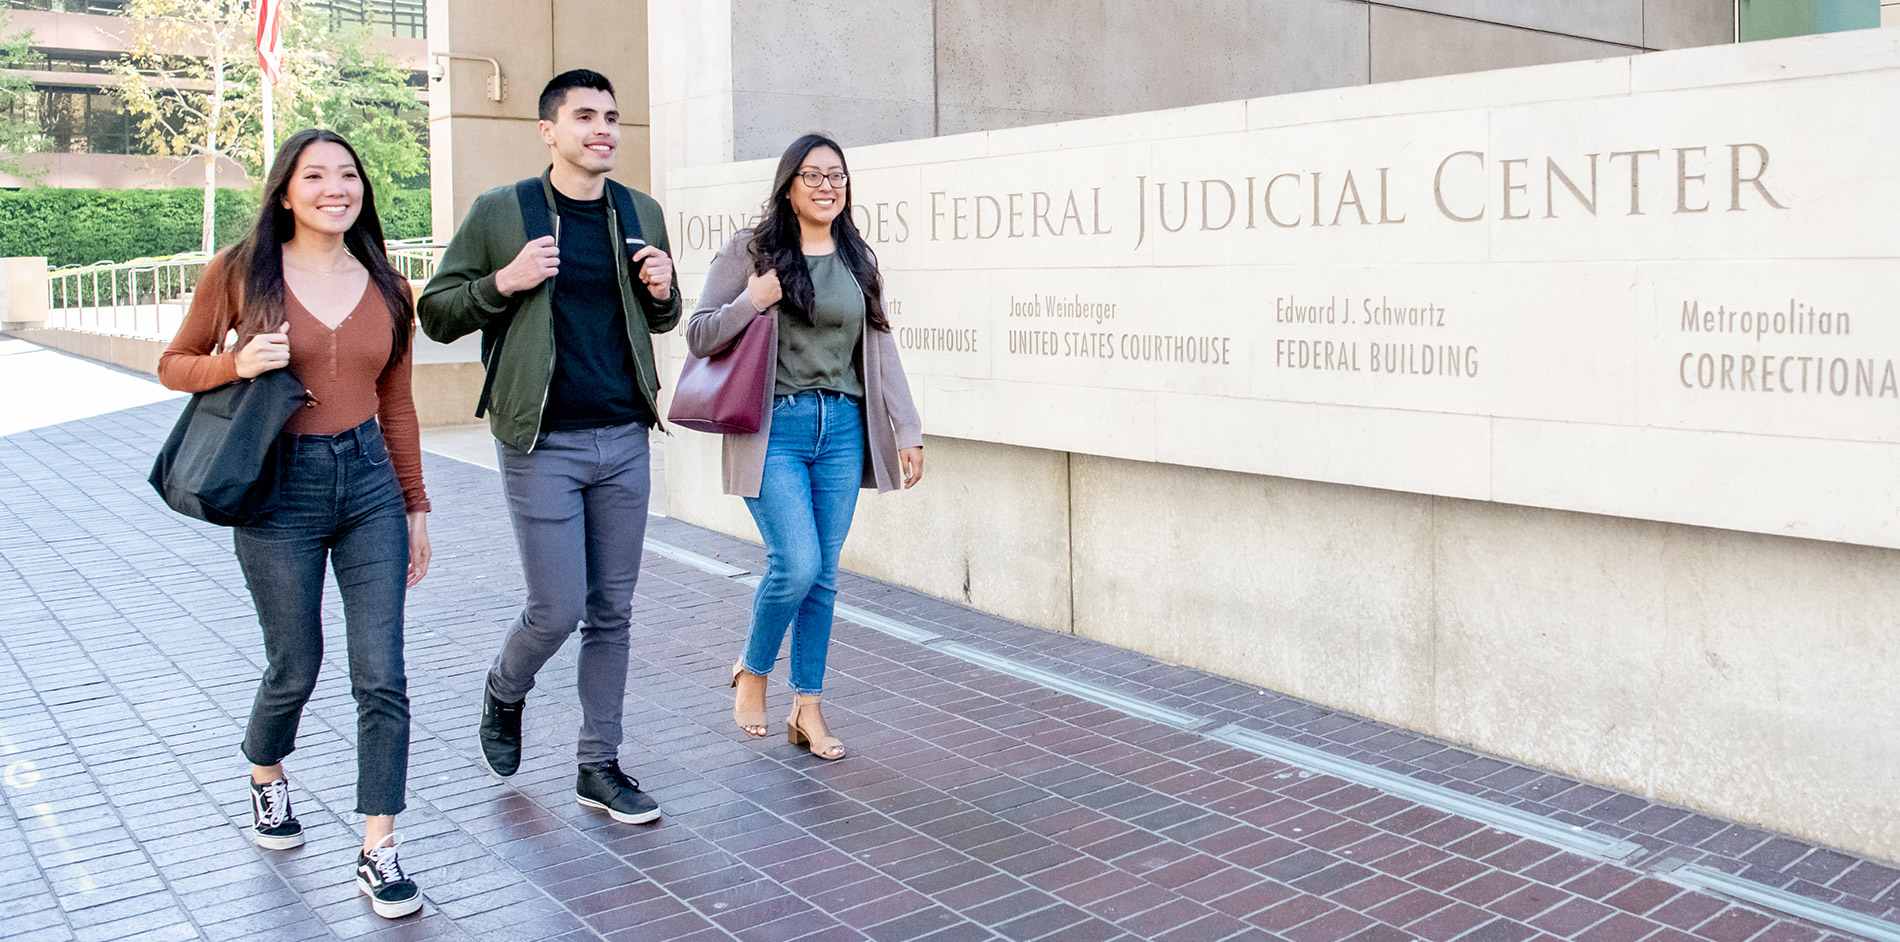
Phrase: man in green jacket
pixel 571 396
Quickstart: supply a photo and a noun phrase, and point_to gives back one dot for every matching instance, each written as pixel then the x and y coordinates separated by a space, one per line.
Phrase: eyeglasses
pixel 812 178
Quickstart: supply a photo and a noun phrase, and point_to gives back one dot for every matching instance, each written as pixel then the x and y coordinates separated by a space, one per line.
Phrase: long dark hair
pixel 260 256
pixel 776 244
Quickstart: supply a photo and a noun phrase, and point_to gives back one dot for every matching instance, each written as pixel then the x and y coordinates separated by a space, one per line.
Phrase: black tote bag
pixel 222 461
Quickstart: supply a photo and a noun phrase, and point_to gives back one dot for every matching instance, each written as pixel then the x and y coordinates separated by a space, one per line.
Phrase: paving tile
pixel 1164 918
pixel 1735 841
pixel 1643 896
pixel 1601 882
pixel 637 914
pixel 1380 933
pixel 1733 924
pixel 1134 902
pixel 1782 932
pixel 1867 880
pixel 1449 923
pixel 1453 872
pixel 1333 878
pixel 883 910
pixel 1620 927
pixel 1055 920
pixel 783 911
pixel 982 891
pixel 1294 911
pixel 913 925
pixel 1486 888
pixel 1560 869
pixel 1338 924
pixel 977 805
pixel 1410 907
pixel 1501 930
pixel 1530 901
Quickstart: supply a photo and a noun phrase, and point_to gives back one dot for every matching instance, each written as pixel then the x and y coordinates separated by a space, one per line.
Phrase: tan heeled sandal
pixel 824 746
pixel 753 721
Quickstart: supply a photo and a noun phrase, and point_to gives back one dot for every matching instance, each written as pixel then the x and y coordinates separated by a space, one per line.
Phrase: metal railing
pixel 144 297
pixel 414 258
pixel 147 298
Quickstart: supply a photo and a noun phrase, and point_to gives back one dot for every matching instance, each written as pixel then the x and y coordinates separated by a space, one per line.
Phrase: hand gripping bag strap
pixel 535 224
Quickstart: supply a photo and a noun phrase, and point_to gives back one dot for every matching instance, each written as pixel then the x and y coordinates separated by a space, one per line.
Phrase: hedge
pixel 76 227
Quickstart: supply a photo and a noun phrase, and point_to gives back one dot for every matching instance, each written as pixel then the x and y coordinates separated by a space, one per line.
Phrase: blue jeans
pixel 339 503
pixel 814 465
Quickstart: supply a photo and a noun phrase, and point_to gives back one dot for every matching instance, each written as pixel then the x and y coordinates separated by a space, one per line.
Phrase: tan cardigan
pixel 891 420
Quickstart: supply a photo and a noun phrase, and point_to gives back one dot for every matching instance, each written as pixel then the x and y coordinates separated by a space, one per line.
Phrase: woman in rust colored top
pixel 311 290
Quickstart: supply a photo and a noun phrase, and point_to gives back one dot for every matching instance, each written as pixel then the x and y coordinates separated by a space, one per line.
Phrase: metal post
pixel 270 123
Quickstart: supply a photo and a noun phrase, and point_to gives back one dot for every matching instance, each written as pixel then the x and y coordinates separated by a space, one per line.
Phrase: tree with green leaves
pixel 204 105
pixel 335 78
pixel 209 105
pixel 19 124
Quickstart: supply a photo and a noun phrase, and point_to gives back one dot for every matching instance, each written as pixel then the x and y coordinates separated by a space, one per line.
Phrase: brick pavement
pixel 976 805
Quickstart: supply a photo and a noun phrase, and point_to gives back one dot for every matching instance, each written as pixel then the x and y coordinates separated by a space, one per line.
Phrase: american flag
pixel 269 55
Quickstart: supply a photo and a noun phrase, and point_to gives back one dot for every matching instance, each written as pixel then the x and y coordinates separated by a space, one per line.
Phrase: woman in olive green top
pixel 841 416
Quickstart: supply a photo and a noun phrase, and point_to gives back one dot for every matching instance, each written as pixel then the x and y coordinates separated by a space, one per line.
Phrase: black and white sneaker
pixel 380 877
pixel 602 785
pixel 501 734
pixel 273 827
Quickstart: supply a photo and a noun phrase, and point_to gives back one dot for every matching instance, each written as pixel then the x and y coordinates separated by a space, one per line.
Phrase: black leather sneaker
pixel 378 874
pixel 273 827
pixel 501 734
pixel 602 785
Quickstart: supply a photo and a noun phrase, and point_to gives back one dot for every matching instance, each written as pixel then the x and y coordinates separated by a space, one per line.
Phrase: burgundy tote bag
pixel 726 393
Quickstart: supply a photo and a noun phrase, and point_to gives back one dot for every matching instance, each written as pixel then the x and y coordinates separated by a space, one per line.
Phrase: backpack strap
pixel 629 217
pixel 534 222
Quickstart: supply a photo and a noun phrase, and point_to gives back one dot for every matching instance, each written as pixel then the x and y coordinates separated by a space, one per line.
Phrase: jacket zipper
pixel 540 414
pixel 620 264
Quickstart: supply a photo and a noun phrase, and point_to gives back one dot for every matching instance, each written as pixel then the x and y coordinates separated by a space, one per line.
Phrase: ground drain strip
pixel 697 561
pixel 1498 816
pixel 871 620
pixel 1709 879
pixel 1502 817
pixel 889 626
pixel 1079 689
pixel 1084 690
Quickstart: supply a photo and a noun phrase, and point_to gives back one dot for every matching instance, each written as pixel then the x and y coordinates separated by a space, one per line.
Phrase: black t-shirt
pixel 593 384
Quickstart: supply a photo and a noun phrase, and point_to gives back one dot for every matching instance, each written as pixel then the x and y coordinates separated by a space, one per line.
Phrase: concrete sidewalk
pixel 1005 782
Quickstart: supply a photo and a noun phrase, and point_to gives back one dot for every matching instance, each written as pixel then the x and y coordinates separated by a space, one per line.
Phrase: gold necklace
pixel 316 271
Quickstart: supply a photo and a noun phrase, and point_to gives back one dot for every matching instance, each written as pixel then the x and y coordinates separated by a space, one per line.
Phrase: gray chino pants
pixel 579 506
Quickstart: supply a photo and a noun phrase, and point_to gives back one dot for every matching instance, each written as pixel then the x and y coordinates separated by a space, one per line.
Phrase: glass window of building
pixel 103 7
pixel 85 121
pixel 1776 19
pixel 403 19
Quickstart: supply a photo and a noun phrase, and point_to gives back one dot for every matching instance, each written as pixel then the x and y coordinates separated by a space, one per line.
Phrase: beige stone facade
pixel 1731 671
pixel 476 141
pixel 1627 650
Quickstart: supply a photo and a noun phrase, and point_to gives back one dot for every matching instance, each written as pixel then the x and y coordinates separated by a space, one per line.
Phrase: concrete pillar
pixel 476 141
pixel 802 67
pixel 740 79
pixel 22 293
pixel 610 37
pixel 690 85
